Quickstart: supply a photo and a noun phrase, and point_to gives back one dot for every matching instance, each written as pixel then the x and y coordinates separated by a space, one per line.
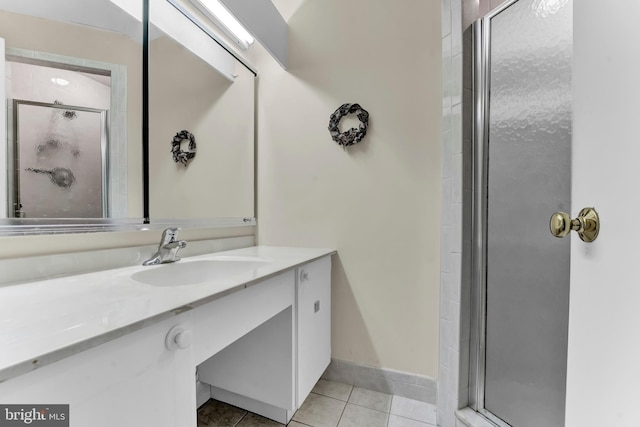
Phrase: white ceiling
pixel 101 14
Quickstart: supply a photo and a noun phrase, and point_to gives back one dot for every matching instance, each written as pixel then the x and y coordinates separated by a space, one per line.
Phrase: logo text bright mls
pixel 34 415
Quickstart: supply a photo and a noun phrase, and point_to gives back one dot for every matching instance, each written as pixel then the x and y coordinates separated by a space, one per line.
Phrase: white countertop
pixel 45 321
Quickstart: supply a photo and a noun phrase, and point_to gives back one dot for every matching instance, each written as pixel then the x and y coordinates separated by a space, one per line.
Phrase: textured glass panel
pixel 528 180
pixel 60 161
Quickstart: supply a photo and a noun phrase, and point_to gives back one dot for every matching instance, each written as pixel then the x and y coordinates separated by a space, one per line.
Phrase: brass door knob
pixel 587 224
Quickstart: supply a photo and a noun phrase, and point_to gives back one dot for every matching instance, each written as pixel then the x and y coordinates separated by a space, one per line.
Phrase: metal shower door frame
pixel 480 152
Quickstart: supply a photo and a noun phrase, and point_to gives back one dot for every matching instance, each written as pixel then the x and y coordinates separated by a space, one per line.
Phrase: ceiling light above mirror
pixel 59 81
pixel 222 18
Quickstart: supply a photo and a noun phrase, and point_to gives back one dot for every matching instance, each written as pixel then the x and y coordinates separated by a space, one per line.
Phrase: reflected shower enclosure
pixel 59 161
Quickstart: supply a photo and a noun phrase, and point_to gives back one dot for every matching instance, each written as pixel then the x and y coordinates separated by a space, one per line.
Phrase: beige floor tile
pixel 320 411
pixel 397 421
pixel 296 424
pixel 218 414
pixel 413 409
pixel 333 389
pixel 371 399
pixel 359 416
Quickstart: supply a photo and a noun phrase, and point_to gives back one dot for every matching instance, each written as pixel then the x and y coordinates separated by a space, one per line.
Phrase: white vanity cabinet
pixel 245 346
pixel 131 381
pixel 260 338
pixel 272 369
pixel 314 324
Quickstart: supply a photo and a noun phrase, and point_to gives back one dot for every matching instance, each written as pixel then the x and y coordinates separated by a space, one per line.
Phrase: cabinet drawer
pixel 314 323
pixel 221 322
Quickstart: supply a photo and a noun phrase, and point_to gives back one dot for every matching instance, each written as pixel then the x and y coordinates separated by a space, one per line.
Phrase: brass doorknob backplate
pixel 587 224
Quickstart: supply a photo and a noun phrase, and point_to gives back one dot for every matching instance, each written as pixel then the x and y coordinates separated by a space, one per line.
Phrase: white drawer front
pixel 221 322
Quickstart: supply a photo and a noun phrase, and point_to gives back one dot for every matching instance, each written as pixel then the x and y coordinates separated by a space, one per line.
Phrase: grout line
pixel 345 406
pixel 367 407
pixel 417 421
pixel 243 417
pixel 350 393
pixel 342 413
pixel 393 396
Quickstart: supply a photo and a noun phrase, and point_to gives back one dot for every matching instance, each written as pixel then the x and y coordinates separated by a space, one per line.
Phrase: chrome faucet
pixel 168 248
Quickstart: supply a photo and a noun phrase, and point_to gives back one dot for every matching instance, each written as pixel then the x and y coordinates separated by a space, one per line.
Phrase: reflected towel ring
pixel 181 156
pixel 353 135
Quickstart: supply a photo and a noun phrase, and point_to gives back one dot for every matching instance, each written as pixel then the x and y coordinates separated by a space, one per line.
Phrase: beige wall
pixel 186 93
pixel 26 246
pixel 377 203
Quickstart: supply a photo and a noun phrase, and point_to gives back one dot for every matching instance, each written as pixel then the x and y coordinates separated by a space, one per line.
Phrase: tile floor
pixel 331 404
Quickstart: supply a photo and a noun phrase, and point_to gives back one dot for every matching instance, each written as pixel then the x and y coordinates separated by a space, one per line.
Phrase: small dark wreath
pixel 181 156
pixel 353 135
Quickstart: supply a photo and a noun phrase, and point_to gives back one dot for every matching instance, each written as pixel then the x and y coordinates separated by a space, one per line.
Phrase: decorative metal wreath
pixel 353 135
pixel 181 156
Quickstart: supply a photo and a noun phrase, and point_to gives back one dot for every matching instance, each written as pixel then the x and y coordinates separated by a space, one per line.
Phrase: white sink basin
pixel 183 273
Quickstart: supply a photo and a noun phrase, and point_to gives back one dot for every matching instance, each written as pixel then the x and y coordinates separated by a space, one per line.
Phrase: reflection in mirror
pixel 198 87
pixel 60 171
pixel 73 104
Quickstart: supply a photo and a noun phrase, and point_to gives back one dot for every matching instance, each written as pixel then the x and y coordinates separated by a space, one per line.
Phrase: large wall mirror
pixel 72 112
pixel 74 109
pixel 198 92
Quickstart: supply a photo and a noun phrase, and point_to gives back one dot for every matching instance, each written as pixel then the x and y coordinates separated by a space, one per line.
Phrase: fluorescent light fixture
pixel 59 81
pixel 222 18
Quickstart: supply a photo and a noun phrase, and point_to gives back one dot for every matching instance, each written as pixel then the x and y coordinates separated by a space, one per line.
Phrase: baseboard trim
pixel 405 384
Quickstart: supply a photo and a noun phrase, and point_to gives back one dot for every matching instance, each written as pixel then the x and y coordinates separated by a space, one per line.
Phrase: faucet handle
pixel 169 235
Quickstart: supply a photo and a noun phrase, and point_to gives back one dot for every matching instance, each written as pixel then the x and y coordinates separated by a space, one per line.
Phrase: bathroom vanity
pixel 125 347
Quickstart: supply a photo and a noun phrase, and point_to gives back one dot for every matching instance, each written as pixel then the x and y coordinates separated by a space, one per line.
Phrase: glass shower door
pixel 526 140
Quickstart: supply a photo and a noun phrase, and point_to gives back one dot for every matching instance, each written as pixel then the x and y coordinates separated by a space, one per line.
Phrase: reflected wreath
pixel 353 135
pixel 181 156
